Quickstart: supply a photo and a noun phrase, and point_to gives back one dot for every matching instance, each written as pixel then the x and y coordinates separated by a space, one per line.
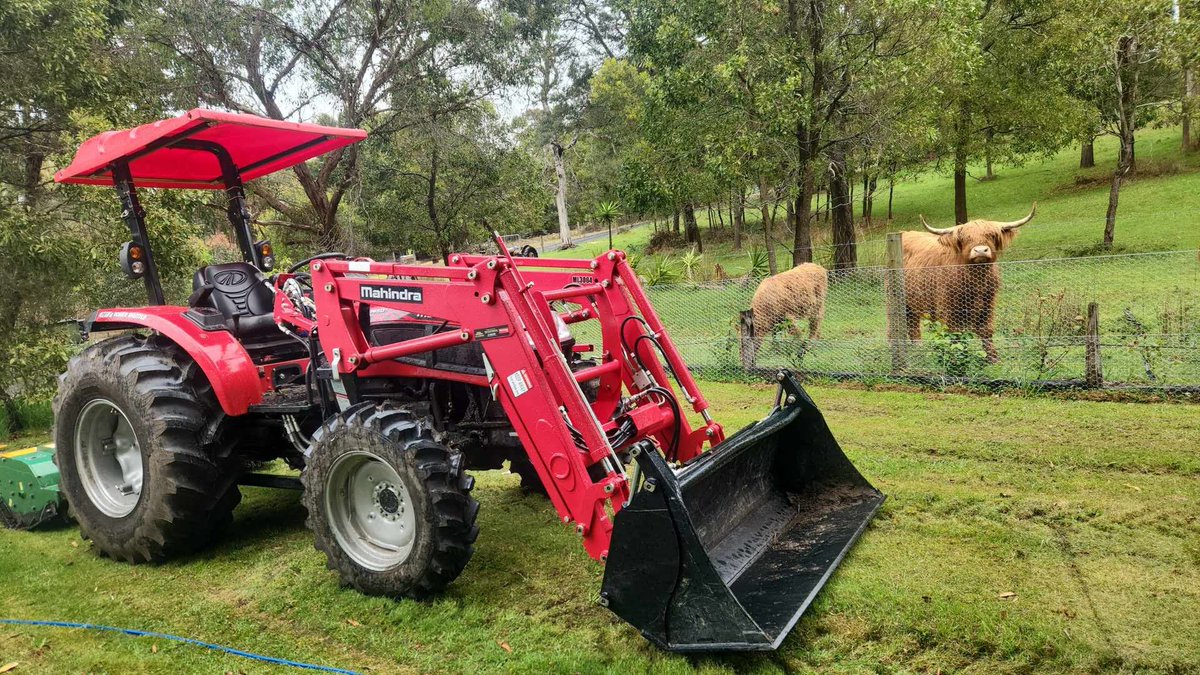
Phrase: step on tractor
pixel 383 384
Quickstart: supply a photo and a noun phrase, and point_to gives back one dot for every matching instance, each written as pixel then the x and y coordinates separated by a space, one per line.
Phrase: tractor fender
pixel 226 364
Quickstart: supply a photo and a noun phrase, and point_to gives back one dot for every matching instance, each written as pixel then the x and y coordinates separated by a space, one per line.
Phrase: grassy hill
pixel 1149 294
pixel 1159 210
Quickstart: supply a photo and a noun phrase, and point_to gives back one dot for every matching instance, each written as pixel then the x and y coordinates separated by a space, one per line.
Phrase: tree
pixel 361 59
pixel 1000 97
pixel 607 212
pixel 1118 65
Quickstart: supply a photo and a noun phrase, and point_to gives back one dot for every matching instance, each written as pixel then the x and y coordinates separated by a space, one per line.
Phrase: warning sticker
pixel 519 383
pixel 491 333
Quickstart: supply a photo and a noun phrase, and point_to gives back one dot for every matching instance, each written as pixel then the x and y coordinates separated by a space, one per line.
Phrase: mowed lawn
pixel 1020 535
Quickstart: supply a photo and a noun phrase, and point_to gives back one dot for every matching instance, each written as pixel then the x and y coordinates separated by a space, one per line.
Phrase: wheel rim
pixel 108 458
pixel 370 510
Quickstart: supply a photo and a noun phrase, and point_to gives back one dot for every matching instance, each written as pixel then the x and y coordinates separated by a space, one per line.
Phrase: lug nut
pixel 791 399
pixel 594 264
pixel 491 264
pixel 779 376
pixel 579 529
pixel 328 288
pixel 472 274
pixel 485 298
pixel 612 256
pixel 608 488
pixel 454 259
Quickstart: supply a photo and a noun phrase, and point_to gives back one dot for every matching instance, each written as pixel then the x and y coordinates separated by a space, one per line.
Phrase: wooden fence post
pixel 1094 366
pixel 897 319
pixel 746 340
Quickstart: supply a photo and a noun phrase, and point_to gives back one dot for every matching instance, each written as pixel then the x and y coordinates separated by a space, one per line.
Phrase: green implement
pixel 29 494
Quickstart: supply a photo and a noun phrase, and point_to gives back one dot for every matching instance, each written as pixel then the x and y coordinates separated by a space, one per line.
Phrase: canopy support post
pixel 235 195
pixel 135 218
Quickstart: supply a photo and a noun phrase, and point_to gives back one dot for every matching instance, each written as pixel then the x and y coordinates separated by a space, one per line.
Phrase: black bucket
pixel 728 552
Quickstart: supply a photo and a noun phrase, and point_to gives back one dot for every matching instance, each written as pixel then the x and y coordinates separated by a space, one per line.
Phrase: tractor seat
pixel 238 291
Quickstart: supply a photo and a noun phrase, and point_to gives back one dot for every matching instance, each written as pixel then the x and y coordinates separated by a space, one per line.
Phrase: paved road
pixel 552 239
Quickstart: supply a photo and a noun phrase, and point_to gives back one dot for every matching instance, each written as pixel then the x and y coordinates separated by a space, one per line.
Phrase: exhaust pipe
pixel 727 553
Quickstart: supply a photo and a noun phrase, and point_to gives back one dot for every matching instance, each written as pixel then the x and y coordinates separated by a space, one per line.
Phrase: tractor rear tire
pixel 388 505
pixel 140 459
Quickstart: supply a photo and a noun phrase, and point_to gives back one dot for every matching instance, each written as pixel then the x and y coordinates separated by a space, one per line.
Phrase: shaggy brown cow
pixel 951 276
pixel 798 293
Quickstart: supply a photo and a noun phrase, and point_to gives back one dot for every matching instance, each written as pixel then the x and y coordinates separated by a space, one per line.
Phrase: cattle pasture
pixel 1019 535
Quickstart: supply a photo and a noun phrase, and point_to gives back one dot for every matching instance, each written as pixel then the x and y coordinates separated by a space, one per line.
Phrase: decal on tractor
pixel 392 293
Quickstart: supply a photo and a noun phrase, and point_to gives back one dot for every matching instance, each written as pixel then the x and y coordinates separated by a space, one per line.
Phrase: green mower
pixel 29 488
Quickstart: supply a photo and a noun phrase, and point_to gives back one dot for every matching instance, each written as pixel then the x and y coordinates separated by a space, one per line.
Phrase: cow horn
pixel 1017 223
pixel 935 230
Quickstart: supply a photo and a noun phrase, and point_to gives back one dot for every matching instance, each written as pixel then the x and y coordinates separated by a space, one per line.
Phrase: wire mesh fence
pixel 1144 312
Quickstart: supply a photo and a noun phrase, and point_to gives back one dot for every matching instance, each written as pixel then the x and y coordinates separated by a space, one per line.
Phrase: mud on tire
pixel 388 505
pixel 188 491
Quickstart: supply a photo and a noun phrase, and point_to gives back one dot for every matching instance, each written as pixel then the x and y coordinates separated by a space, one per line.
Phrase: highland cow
pixel 792 296
pixel 951 276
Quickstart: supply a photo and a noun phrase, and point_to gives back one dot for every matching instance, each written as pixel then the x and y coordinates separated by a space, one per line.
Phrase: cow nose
pixel 981 252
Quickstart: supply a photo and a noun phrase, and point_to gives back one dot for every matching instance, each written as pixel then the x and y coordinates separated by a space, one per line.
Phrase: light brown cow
pixel 951 276
pixel 792 296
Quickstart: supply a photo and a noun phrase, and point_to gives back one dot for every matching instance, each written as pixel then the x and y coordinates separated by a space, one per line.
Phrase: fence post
pixel 897 320
pixel 1094 366
pixel 746 339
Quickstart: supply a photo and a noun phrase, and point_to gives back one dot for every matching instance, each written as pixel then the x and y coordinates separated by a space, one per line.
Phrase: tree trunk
pixel 560 194
pixel 960 165
pixel 431 207
pixel 891 193
pixel 987 154
pixel 1126 80
pixel 739 217
pixel 845 253
pixel 1189 91
pixel 960 194
pixel 866 215
pixel 691 228
pixel 768 222
pixel 675 221
pixel 720 216
pixel 12 412
pixel 1087 153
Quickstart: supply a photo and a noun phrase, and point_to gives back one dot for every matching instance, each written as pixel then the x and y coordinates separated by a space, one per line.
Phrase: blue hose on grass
pixel 176 638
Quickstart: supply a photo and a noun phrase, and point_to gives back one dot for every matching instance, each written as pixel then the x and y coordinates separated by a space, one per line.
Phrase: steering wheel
pixel 319 256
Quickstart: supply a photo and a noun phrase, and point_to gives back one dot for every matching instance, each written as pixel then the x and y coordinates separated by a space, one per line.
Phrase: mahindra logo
pixel 391 293
pixel 231 278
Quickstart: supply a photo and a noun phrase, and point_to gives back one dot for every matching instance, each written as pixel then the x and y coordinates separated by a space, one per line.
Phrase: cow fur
pixel 792 296
pixel 953 278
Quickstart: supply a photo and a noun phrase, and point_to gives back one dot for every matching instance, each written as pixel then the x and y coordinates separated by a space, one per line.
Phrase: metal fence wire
pixel 1143 311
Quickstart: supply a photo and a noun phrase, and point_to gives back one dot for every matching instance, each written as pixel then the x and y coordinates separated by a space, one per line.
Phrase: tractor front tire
pixel 140 462
pixel 388 505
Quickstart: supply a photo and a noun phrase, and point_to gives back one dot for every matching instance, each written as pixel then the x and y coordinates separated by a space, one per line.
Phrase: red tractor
pixel 384 383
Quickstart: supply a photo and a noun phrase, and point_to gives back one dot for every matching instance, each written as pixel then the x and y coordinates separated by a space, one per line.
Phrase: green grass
pixel 1086 511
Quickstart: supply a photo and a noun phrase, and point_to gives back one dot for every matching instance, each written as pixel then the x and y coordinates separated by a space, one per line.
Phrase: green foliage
pixel 956 354
pixel 660 269
pixel 759 267
pixel 691 262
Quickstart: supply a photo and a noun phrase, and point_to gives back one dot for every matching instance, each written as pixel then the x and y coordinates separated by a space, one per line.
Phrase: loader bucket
pixel 729 551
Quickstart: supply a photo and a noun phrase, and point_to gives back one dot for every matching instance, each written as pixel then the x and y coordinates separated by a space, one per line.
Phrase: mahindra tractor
pixel 383 384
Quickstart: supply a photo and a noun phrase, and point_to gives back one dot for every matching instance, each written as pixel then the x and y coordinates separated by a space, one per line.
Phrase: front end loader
pixel 384 383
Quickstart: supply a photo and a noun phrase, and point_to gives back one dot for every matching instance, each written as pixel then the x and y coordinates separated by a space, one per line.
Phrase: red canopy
pixel 258 146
